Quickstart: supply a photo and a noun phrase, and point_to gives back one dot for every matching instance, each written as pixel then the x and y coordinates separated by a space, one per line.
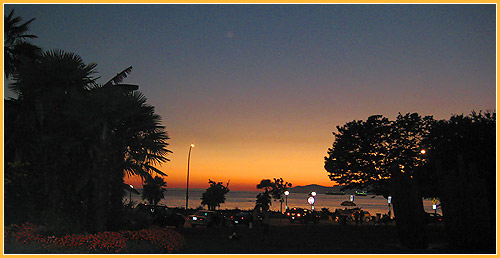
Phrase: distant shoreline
pixel 298 189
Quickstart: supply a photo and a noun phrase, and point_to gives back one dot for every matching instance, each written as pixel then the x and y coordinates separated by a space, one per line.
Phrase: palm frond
pixel 127 87
pixel 133 169
pixel 9 17
pixel 157 171
pixel 119 77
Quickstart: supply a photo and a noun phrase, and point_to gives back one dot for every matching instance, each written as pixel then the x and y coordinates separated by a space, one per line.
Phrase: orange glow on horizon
pixel 244 166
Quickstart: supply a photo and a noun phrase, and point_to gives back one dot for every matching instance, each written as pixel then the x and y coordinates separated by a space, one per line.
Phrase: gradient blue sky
pixel 260 88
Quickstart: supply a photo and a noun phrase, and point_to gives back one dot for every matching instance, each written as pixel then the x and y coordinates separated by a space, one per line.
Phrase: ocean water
pixel 176 197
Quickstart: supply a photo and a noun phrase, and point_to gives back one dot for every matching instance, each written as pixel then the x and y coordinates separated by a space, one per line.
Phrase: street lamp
pixel 130 197
pixel 423 151
pixel 389 201
pixel 311 199
pixel 187 181
pixel 286 199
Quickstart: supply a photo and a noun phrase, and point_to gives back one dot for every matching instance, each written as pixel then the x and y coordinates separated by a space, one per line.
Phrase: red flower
pixel 114 242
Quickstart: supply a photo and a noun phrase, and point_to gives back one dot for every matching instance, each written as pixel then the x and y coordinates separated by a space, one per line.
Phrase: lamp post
pixel 130 196
pixel 389 201
pixel 312 200
pixel 286 200
pixel 187 181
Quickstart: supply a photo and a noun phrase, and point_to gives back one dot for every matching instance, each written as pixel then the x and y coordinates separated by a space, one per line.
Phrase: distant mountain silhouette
pixel 320 189
pixel 316 188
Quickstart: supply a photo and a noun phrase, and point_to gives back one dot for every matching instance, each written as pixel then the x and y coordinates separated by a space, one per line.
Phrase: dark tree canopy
pixel 473 137
pixel 18 51
pixel 470 138
pixel 272 189
pixel 153 190
pixel 364 151
pixel 462 171
pixel 64 129
pixel 458 167
pixel 215 194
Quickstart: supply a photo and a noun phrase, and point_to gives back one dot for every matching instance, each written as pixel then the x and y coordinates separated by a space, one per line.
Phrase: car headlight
pixel 195 218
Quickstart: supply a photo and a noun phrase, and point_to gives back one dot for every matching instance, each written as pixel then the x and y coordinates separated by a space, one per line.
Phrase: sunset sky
pixel 259 89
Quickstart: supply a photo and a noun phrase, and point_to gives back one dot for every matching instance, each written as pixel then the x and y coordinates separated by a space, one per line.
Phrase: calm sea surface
pixel 246 200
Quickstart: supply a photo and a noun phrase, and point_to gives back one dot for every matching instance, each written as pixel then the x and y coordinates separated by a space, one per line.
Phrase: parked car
pixel 302 215
pixel 342 216
pixel 240 218
pixel 205 218
pixel 365 216
pixel 163 216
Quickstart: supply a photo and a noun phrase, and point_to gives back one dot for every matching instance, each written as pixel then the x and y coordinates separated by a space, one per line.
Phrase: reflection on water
pixel 175 197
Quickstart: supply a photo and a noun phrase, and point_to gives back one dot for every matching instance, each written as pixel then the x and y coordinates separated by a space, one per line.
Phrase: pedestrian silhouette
pixel 357 217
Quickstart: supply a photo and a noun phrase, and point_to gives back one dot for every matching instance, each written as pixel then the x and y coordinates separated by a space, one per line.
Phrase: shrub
pixel 157 240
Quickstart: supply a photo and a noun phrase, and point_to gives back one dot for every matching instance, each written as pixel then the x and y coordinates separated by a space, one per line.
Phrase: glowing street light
pixel 311 199
pixel 187 181
pixel 389 201
pixel 423 151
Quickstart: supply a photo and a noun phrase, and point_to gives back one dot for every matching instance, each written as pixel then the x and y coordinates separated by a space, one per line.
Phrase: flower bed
pixel 164 240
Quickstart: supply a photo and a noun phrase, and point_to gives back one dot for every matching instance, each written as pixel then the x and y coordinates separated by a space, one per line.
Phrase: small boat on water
pixel 335 193
pixel 361 193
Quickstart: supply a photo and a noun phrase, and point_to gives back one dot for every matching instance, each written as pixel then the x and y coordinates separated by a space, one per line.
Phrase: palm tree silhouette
pixel 17 49
pixel 82 136
pixel 153 190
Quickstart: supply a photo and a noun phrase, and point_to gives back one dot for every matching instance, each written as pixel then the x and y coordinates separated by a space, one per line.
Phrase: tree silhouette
pixel 67 130
pixel 462 172
pixel 215 194
pixel 272 189
pixel 17 49
pixel 46 140
pixel 153 190
pixel 384 157
pixel 264 200
pixel 360 154
pixel 363 152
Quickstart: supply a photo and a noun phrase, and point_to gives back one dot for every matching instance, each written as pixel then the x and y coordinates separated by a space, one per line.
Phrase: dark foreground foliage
pixel 28 238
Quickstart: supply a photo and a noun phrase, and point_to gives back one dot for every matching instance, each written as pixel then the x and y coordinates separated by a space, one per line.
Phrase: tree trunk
pixel 100 195
pixel 98 204
pixel 468 218
pixel 115 214
pixel 408 210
